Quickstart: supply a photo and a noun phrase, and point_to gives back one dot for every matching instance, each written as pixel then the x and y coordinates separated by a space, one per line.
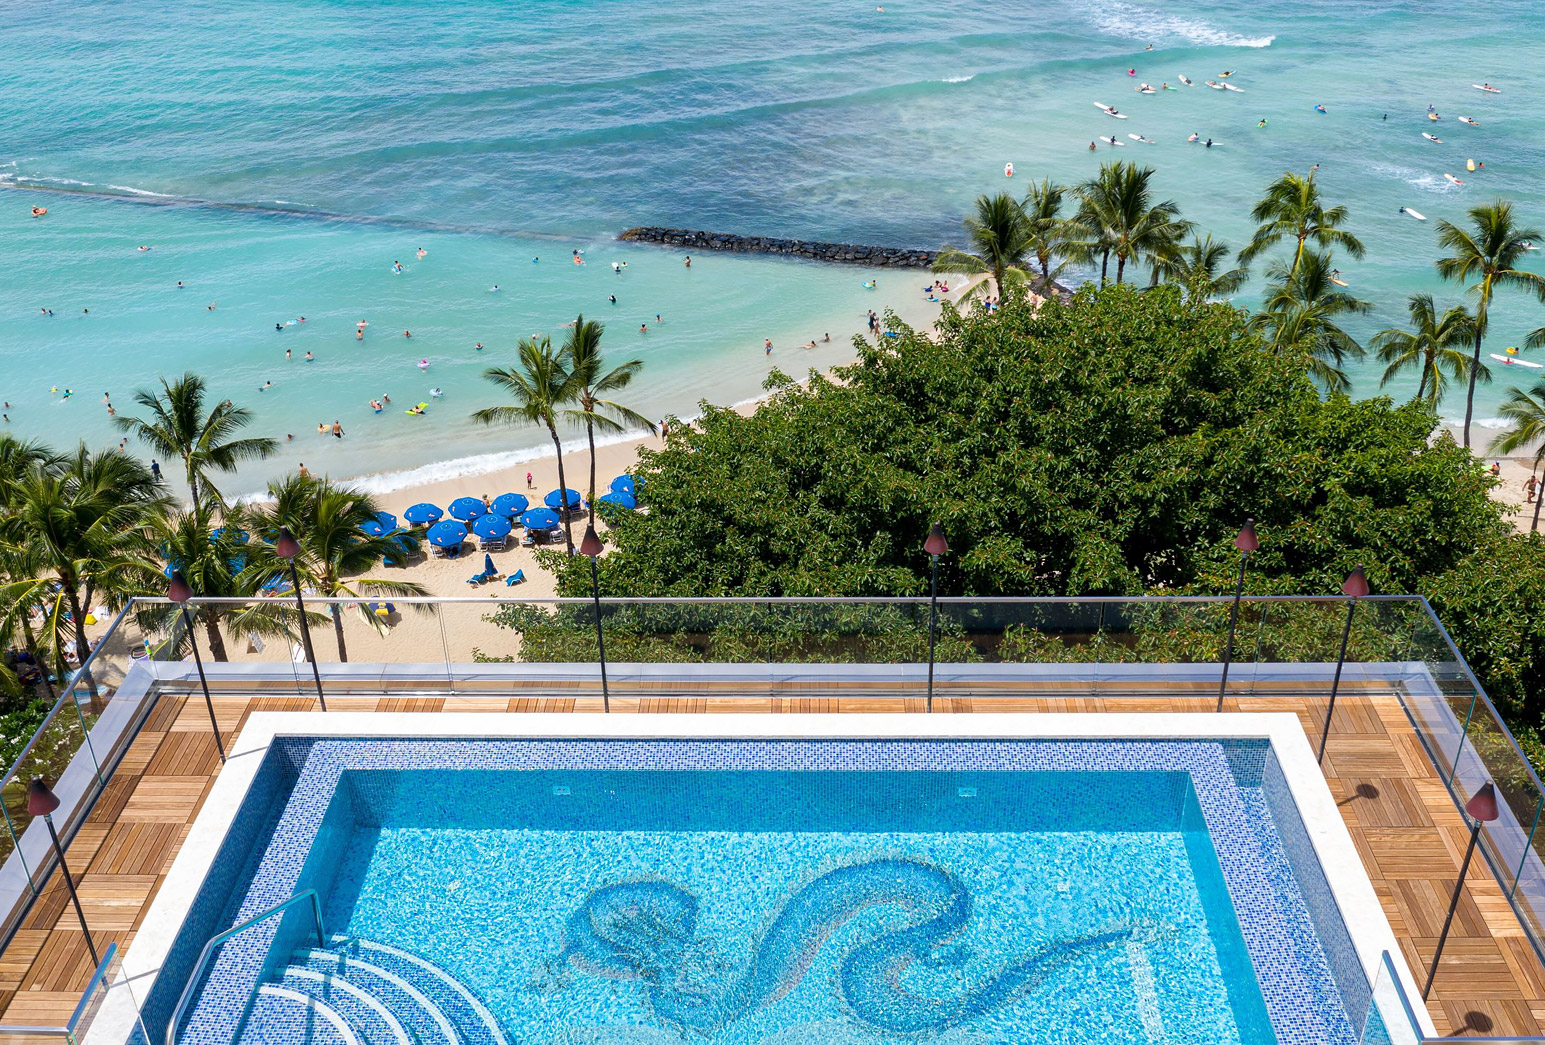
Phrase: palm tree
pixel 1001 241
pixel 1488 252
pixel 540 386
pixel 1047 228
pixel 1298 317
pixel 1526 410
pixel 217 560
pixel 325 518
pixel 84 520
pixel 1431 345
pixel 1292 207
pixel 1199 266
pixel 179 426
pixel 592 382
pixel 1121 219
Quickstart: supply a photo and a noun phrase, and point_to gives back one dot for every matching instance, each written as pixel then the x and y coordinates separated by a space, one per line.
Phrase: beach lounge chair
pixel 483 577
pixel 518 577
pixel 494 544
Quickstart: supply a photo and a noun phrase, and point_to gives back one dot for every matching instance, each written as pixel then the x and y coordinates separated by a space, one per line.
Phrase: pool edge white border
pixel 1358 904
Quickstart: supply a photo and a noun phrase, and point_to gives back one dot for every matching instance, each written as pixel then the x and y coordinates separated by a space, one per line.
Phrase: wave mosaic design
pixel 645 930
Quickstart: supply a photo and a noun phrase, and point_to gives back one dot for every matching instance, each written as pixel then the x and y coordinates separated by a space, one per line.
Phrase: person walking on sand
pixel 1530 486
pixel 530 484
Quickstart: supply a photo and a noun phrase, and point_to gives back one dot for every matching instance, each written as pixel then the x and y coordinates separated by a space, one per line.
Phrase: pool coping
pixel 1358 904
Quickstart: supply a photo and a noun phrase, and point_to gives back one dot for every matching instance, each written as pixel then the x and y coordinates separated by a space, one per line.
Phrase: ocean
pixel 279 158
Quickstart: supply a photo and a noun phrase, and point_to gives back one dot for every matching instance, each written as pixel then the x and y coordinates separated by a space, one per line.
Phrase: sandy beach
pixel 455 631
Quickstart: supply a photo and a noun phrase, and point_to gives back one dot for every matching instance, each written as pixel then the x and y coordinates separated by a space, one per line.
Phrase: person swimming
pixel 265 386
pixel 478 346
pixel 396 266
pixel 421 253
pixel 614 299
pixel 436 392
pixel 494 289
pixel 1262 123
pixel 309 356
pixel 1319 108
pixel 407 333
pixel 1209 143
pixel 1092 147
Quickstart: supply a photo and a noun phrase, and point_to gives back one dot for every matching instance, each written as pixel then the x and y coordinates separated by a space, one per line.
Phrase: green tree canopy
pixel 1111 444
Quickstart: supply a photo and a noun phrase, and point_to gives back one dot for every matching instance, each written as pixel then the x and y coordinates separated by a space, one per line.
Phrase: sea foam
pixel 1130 20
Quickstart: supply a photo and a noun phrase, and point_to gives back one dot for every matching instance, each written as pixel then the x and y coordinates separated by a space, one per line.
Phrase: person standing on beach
pixel 530 485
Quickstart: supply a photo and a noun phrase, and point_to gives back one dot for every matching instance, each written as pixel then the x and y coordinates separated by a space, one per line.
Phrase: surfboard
pixel 1113 141
pixel 1186 80
pixel 1214 85
pixel 1466 119
pixel 1515 361
pixel 1418 215
pixel 1453 179
pixel 1140 138
pixel 1231 87
pixel 1434 117
pixel 1146 90
pixel 1485 87
pixel 1338 282
pixel 1432 138
pixel 1107 110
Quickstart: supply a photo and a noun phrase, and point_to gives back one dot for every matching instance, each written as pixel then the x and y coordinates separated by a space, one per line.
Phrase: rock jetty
pixel 841 253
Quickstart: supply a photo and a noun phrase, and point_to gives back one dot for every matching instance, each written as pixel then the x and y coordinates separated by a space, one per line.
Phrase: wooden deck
pixel 1409 834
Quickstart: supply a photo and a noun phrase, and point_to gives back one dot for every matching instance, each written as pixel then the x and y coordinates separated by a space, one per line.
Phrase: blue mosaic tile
pixel 291 837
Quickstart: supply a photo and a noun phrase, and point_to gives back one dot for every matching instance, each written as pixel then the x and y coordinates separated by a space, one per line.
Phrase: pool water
pixel 789 906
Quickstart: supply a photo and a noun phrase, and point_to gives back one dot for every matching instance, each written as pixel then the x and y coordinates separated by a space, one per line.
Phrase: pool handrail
pixel 219 938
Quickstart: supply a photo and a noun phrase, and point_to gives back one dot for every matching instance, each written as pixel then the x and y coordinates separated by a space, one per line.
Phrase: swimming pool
pixel 872 889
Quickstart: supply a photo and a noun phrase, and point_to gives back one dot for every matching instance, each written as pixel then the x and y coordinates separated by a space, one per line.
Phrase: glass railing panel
pixel 1391 1019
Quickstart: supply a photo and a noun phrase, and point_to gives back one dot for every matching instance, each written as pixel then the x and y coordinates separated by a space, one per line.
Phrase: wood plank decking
pixel 1405 826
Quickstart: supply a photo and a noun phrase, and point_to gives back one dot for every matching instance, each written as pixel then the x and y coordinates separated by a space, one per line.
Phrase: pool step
pixel 360 992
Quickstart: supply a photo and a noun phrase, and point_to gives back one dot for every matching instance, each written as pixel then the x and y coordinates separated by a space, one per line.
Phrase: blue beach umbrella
pixel 511 505
pixel 623 484
pixel 387 520
pixel 555 498
pixel 372 527
pixel 540 519
pixel 494 526
pixel 423 512
pixel 467 508
pixel 488 564
pixel 620 498
pixel 447 534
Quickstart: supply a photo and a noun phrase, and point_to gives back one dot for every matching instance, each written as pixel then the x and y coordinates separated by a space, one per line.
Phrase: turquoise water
pixel 326 140
pixel 789 907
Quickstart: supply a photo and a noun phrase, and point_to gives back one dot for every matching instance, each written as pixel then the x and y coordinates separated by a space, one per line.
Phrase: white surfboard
pixel 1514 361
pixel 1140 138
pixel 1466 119
pixel 1186 80
pixel 1146 90
pixel 1432 138
pixel 1488 88
pixel 1107 110
pixel 1452 179
pixel 1418 215
pixel 1215 85
pixel 1114 141
pixel 1231 87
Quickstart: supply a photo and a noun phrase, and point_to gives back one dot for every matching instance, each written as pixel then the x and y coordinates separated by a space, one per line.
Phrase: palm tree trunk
pixel 192 481
pixel 1475 369
pixel 1539 498
pixel 337 614
pixel 212 633
pixel 590 435
pixel 1104 267
pixel 563 496
pixel 1299 256
pixel 1421 387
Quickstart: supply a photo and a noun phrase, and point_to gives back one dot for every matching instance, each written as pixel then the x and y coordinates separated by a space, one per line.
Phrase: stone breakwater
pixel 842 253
